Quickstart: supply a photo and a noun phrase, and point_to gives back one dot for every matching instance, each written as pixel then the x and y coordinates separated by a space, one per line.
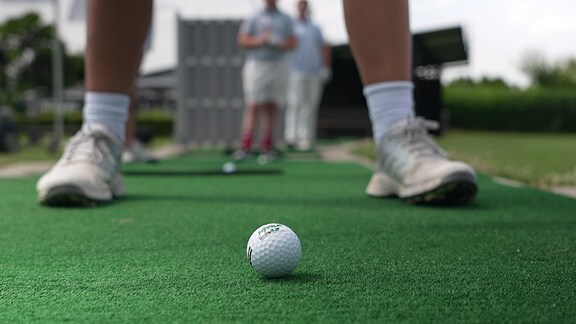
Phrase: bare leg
pixel 248 124
pixel 381 42
pixel 386 54
pixel 269 125
pixel 249 118
pixel 292 109
pixel 116 34
pixel 131 122
pixel 382 46
pixel 91 175
pixel 132 111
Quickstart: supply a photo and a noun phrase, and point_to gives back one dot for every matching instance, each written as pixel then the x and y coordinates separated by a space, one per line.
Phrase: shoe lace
pixel 85 147
pixel 414 143
pixel 415 138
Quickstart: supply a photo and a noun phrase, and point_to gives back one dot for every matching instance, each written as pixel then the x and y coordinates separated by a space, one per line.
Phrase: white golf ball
pixel 229 167
pixel 274 250
pixel 262 159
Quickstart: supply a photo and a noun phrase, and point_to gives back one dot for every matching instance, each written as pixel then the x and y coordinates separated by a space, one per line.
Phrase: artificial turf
pixel 174 249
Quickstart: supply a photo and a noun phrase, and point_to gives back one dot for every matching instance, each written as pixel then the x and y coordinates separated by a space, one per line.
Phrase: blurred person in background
pixel 310 69
pixel 267 37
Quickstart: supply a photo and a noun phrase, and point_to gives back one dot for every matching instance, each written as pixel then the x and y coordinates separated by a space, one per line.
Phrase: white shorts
pixel 265 81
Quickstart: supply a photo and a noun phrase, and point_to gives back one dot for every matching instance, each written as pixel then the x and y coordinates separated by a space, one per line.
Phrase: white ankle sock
pixel 388 103
pixel 107 109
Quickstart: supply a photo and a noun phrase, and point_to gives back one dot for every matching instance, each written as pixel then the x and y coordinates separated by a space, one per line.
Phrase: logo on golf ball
pixel 274 250
pixel 266 230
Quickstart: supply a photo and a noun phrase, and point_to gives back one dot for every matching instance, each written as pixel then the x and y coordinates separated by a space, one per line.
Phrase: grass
pixel 543 160
pixel 539 159
pixel 174 251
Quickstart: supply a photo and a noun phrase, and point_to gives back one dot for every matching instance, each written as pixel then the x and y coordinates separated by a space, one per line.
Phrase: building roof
pixel 439 47
pixel 159 79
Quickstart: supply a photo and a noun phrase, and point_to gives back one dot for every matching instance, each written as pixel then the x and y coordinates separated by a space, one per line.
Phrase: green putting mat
pixel 174 250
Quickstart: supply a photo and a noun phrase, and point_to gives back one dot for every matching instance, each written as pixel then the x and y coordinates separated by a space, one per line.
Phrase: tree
pixel 486 82
pixel 27 42
pixel 542 73
pixel 462 82
pixel 493 82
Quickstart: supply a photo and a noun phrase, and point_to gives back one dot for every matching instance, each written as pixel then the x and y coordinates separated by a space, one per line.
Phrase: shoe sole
pixel 458 188
pixel 69 196
pixel 454 193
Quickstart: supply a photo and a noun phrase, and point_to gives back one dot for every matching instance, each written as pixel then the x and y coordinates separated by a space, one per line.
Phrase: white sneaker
pixel 241 155
pixel 305 145
pixel 88 173
pixel 268 156
pixel 138 153
pixel 412 166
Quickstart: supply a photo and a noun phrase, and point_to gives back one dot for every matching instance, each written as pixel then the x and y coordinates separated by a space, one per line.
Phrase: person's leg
pixel 134 150
pixel 276 90
pixel 301 95
pixel 388 26
pixel 250 119
pixel 130 131
pixel 384 59
pixel 254 93
pixel 116 31
pixel 89 170
pixel 410 165
pixel 315 85
pixel 292 105
pixel 269 110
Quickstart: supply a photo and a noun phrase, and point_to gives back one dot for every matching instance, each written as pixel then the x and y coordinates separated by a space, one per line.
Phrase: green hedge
pixel 535 110
pixel 153 122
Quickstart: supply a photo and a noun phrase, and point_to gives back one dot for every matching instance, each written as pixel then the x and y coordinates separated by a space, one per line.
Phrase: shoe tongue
pixel 95 128
pixel 421 124
pixel 83 146
pixel 417 129
pixel 80 148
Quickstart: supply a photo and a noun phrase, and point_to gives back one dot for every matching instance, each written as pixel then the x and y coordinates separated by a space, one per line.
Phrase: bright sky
pixel 499 32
